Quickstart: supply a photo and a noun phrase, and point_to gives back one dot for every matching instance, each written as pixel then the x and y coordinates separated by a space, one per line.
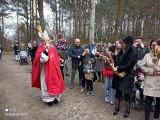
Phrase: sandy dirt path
pixel 18 101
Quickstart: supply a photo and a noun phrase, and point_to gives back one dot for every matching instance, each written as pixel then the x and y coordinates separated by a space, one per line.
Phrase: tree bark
pixel 27 23
pixel 41 15
pixel 80 20
pixel 56 17
pixel 30 20
pixel 92 21
pixel 75 18
pixel 17 22
pixel 119 17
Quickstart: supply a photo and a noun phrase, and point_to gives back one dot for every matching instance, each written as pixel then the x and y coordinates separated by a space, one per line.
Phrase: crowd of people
pixel 124 65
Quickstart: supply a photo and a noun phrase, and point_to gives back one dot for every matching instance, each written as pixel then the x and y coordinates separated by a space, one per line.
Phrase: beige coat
pixel 152 82
pixel 89 76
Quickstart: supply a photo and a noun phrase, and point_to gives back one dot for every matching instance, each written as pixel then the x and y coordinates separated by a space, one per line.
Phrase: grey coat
pixel 152 82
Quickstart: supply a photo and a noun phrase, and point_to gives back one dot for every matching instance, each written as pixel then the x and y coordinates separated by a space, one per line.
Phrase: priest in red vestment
pixel 46 72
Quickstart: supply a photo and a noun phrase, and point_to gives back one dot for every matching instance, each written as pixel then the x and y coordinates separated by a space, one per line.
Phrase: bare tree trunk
pixel 92 21
pixel 17 22
pixel 59 20
pixel 133 25
pixel 80 21
pixel 30 20
pixel 119 17
pixel 56 17
pixel 75 18
pixel 70 29
pixel 36 7
pixel 0 34
pixel 27 23
pixel 138 26
pixel 2 29
pixel 41 15
pixel 128 25
pixel 84 28
pixel 62 21
pixel 36 10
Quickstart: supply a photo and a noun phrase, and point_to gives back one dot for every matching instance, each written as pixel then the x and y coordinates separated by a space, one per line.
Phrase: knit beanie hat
pixel 92 60
pixel 128 40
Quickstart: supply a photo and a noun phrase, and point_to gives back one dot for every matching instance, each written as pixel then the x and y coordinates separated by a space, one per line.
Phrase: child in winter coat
pixel 89 70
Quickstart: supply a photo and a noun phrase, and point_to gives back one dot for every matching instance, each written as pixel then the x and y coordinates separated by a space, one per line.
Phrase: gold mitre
pixel 43 35
pixel 39 28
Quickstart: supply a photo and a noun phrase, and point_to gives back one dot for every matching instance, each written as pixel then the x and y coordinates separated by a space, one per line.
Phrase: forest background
pixel 89 20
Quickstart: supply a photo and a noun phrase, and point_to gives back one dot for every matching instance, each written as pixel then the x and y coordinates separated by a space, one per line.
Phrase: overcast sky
pixel 11 22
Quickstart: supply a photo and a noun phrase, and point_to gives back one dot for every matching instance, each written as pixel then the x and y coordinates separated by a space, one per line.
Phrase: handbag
pixel 108 72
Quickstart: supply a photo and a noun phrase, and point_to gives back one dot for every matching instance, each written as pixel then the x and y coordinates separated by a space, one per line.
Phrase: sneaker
pixel 107 100
pixel 92 93
pixel 71 86
pixel 112 103
pixel 82 90
pixel 87 93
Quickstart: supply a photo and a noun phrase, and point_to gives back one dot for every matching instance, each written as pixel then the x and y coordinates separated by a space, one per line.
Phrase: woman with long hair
pixel 150 65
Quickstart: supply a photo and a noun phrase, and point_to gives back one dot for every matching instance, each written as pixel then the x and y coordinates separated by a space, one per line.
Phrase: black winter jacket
pixel 74 52
pixel 125 62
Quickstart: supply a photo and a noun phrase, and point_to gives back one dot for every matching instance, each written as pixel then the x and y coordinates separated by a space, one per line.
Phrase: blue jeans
pixel 110 90
pixel 66 66
pixel 80 70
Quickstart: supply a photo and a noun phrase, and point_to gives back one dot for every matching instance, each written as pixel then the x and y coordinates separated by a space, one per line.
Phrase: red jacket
pixel 54 79
pixel 108 70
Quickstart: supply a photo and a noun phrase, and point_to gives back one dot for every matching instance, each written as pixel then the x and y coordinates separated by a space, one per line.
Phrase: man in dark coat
pixel 16 51
pixel 33 50
pixel 75 53
pixel 142 49
pixel 124 62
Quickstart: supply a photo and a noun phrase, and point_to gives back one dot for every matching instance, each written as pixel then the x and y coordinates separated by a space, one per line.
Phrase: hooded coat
pixel 125 61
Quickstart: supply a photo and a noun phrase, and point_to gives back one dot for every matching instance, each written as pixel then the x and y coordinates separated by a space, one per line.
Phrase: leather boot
pixel 127 111
pixel 117 107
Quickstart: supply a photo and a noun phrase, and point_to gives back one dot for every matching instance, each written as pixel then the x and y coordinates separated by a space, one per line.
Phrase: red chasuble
pixel 54 79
